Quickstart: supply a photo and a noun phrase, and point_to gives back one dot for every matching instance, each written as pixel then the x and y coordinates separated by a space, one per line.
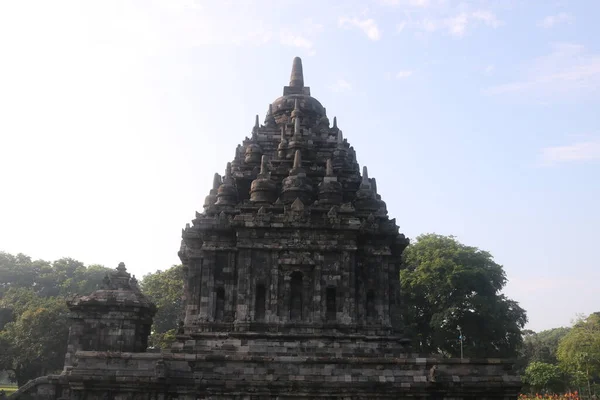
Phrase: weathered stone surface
pixel 291 289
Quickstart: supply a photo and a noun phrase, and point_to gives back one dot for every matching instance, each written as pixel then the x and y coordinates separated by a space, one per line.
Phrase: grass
pixel 8 389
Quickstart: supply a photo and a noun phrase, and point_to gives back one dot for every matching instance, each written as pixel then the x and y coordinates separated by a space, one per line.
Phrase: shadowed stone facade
pixel 291 289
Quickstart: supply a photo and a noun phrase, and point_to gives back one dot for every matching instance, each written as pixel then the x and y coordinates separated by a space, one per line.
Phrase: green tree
pixel 540 347
pixel 543 377
pixel 165 288
pixel 446 285
pixel 579 350
pixel 35 343
pixel 33 325
pixel 62 277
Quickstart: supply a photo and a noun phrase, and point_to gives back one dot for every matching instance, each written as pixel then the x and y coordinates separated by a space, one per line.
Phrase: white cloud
pixel 341 85
pixel 576 152
pixel 552 20
pixel 297 41
pixel 568 69
pixel 486 17
pixel 489 69
pixel 419 3
pixel 368 26
pixel 458 24
pixel 429 25
pixel 404 74
pixel 410 3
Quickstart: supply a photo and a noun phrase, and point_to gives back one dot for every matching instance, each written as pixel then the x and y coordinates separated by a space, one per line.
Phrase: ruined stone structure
pixel 291 289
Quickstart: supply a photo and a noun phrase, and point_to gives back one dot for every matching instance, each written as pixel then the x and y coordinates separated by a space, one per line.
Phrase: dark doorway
pixel 370 306
pixel 220 306
pixel 259 303
pixel 296 297
pixel 330 300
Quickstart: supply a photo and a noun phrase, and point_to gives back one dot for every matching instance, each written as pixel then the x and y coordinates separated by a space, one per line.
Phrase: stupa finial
pixel 228 171
pixel 329 168
pixel 270 120
pixel 297 76
pixel 216 181
pixel 340 138
pixel 297 159
pixel 256 123
pixel 263 165
pixel 297 126
pixel 335 122
pixel 365 176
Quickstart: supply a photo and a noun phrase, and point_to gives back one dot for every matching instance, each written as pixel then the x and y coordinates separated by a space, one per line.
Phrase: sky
pixel 479 119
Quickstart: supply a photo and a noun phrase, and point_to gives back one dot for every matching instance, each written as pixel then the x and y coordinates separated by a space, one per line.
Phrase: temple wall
pixel 214 376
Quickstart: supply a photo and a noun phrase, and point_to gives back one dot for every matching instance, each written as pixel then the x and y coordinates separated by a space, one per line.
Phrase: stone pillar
pixel 316 313
pixel 207 291
pixel 272 311
pixel 242 313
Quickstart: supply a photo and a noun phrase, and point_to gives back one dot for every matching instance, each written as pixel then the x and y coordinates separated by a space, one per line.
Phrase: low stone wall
pixel 102 375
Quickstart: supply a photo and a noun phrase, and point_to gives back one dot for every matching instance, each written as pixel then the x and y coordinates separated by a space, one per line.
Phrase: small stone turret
pixel 330 190
pixel 212 195
pixel 253 153
pixel 366 199
pixel 227 194
pixel 296 113
pixel 340 153
pixel 262 189
pixel 297 185
pixel 270 119
pixel 283 144
pixel 298 141
pixel 115 318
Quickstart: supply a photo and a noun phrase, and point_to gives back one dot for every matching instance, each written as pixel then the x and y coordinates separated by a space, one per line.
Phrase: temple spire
pixel 365 176
pixel 264 168
pixel 216 181
pixel 270 120
pixel 297 127
pixel 297 160
pixel 255 129
pixel 334 122
pixel 297 76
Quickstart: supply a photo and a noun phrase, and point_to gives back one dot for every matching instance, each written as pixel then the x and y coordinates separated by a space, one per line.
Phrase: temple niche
pixel 291 289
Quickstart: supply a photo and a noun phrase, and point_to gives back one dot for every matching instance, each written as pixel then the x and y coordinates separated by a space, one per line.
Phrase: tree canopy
pixel 447 285
pixel 33 313
pixel 579 351
pixel 165 288
pixel 543 377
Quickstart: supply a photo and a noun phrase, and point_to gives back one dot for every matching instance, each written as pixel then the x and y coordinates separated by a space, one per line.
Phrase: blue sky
pixel 478 119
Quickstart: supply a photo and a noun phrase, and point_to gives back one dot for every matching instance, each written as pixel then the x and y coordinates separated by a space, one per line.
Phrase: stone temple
pixel 291 290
